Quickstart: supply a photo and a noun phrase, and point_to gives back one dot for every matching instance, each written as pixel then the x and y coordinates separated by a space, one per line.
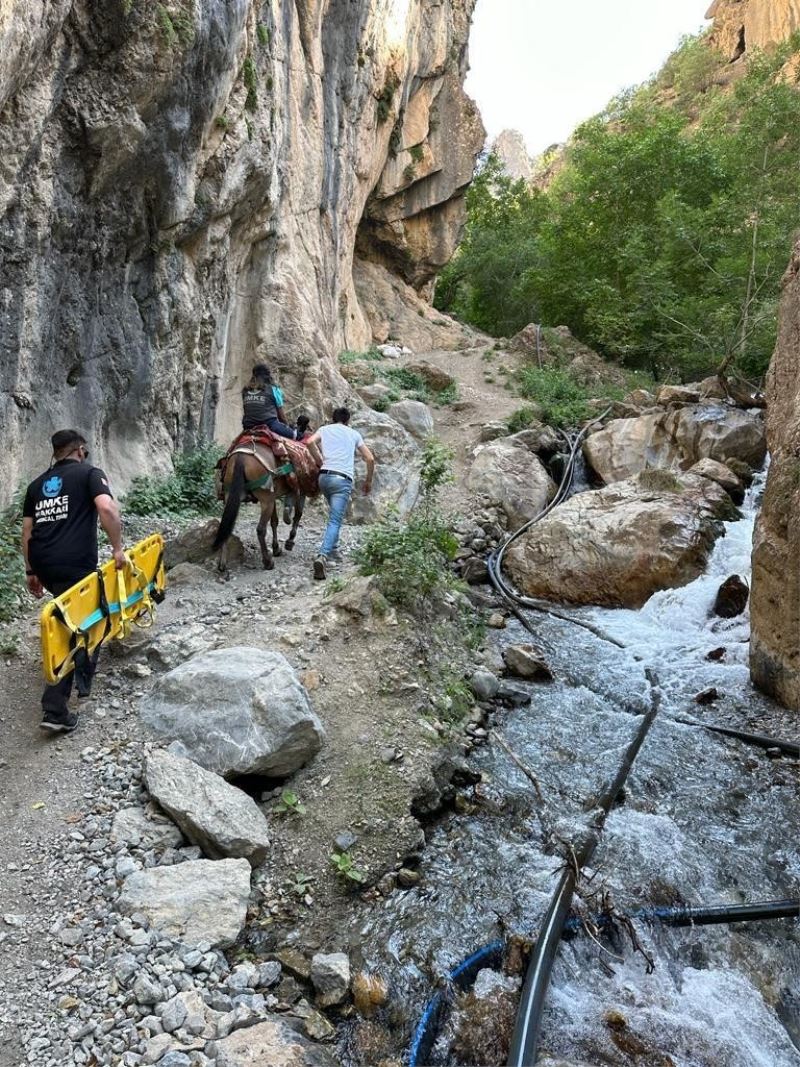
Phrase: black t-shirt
pixel 63 544
pixel 259 407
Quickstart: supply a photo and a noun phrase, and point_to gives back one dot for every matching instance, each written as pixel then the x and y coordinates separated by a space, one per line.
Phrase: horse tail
pixel 233 501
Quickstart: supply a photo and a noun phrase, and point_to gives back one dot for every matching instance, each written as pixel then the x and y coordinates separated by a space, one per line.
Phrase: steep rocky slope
pixel 775 642
pixel 740 25
pixel 184 187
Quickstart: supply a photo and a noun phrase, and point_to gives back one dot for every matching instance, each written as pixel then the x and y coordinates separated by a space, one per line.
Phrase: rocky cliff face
pixel 188 186
pixel 509 147
pixel 775 605
pixel 740 25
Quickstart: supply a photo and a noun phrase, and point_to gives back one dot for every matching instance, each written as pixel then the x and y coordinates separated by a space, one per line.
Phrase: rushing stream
pixel 705 820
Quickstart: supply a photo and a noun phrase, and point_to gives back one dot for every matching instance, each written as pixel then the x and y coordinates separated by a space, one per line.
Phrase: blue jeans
pixel 336 489
pixel 281 429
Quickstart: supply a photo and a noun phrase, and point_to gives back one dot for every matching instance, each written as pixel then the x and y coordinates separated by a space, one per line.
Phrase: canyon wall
pixel 740 25
pixel 189 186
pixel 775 606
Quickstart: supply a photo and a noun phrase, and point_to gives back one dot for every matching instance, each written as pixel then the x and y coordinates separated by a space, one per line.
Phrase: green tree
pixel 663 238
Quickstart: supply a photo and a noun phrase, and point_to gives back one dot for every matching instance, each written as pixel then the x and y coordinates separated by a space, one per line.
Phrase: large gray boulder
pixel 236 711
pixel 676 439
pixel 619 545
pixel 396 467
pixel 272 1043
pixel 221 819
pixel 413 416
pixel 507 473
pixel 194 902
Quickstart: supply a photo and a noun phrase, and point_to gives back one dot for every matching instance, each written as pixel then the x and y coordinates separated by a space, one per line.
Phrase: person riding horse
pixel 262 404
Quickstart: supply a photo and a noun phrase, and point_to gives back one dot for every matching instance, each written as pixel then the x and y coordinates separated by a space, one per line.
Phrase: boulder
pixel 236 711
pixel 676 439
pixel 396 471
pixel 539 438
pixel 668 395
pixel 394 351
pixel 525 661
pixel 743 471
pixel 619 545
pixel 361 596
pixel 376 395
pixel 413 416
pixel 475 571
pixel 197 902
pixel 193 545
pixel 722 475
pixel 434 377
pixel 136 828
pixel 732 597
pixel 330 976
pixel 484 685
pixel 272 1042
pixel 221 819
pixel 509 475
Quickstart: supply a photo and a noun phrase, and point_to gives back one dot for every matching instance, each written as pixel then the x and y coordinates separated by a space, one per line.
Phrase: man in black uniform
pixel 59 543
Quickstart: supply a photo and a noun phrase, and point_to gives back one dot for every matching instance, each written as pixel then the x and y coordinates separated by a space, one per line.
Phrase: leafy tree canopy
pixel 662 239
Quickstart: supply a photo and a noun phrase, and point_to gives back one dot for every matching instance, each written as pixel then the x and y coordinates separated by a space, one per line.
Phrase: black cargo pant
pixel 55 699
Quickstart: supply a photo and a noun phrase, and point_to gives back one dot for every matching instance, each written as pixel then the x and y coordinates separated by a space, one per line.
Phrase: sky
pixel 543 66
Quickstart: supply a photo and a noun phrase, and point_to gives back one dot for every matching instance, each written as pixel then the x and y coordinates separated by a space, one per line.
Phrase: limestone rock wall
pixel 740 25
pixel 184 188
pixel 775 604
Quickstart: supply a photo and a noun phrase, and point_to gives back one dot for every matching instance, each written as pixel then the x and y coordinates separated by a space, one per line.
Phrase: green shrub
pixel 385 97
pixel 262 33
pixel 563 401
pixel 417 153
pixel 250 78
pixel 12 569
pixel 521 419
pixel 692 68
pixel 189 490
pixel 446 396
pixel 405 381
pixel 412 557
pixel 177 27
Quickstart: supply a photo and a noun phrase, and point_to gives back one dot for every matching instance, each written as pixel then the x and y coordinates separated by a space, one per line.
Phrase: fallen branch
pixel 498 737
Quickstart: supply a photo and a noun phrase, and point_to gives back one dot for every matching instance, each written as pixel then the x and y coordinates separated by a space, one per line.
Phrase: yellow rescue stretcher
pixel 102 606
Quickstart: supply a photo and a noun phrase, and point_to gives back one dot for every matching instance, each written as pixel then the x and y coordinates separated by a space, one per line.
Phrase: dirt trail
pixel 366 685
pixel 483 396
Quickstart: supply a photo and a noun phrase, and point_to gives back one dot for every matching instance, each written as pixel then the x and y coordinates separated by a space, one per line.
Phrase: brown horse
pixel 251 469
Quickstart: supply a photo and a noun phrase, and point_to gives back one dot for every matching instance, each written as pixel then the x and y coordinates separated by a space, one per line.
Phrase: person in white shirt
pixel 338 444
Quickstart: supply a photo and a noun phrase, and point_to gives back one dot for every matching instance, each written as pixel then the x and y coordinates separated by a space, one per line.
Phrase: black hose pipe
pixel 759 740
pixel 525 1040
pixel 463 976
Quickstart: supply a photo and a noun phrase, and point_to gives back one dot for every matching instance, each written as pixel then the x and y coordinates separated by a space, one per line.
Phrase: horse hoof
pixel 269 564
pixel 277 551
pixel 289 545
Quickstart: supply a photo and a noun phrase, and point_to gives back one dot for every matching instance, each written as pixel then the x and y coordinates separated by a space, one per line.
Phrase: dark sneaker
pixel 59 724
pixel 319 568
